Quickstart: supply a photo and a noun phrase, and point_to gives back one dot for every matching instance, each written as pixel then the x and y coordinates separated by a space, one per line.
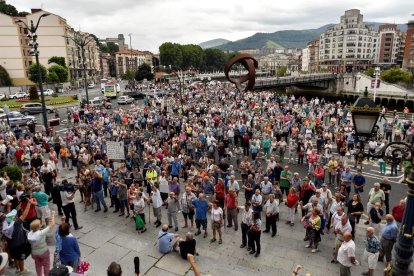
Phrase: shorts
pixel 201 222
pixel 371 258
pixel 190 215
pixel 43 212
pixel 216 225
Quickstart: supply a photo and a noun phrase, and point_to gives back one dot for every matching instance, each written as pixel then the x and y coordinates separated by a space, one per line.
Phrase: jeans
pixel 394 169
pixel 99 199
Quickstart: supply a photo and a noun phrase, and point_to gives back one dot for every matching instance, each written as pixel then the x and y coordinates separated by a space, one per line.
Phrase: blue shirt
pixel 208 187
pixel 175 168
pixel 96 185
pixel 390 231
pixel 70 249
pixel 164 241
pixel 201 209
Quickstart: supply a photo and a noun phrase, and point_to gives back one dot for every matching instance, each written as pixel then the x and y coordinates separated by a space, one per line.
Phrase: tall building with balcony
pixel 14 49
pixel 386 46
pixel 347 46
pixel 128 60
pixel 408 60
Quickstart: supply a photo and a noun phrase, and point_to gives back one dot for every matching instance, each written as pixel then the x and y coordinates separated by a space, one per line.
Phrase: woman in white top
pixel 216 220
pixel 139 208
pixel 163 186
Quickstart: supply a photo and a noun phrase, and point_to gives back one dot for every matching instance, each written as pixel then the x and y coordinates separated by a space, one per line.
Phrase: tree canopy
pixel 58 60
pixel 4 77
pixel 109 47
pixel 33 76
pixel 396 75
pixel 58 73
pixel 8 9
pixel 171 55
pixel 144 72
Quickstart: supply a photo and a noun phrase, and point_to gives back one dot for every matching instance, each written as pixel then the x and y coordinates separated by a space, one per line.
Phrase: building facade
pixel 408 60
pixel 128 60
pixel 347 46
pixel 120 41
pixel 386 46
pixel 51 33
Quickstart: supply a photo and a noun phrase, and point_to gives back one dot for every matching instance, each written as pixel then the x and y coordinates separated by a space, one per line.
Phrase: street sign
pixel 115 150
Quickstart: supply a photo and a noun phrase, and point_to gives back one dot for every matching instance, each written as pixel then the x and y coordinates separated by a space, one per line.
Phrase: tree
pixel 60 72
pixel 144 72
pixel 4 77
pixel 281 71
pixel 214 59
pixel 8 9
pixel 33 73
pixel 96 39
pixel 396 75
pixel 33 93
pixel 112 47
pixel 129 75
pixel 23 14
pixel 192 56
pixel 171 54
pixel 58 60
pixel 370 72
pixel 52 77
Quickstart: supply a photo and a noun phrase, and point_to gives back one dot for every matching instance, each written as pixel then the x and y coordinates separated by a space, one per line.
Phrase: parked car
pixel 17 119
pixel 97 104
pixel 35 108
pixel 125 100
pixel 47 92
pixel 91 85
pixel 19 95
pixel 2 96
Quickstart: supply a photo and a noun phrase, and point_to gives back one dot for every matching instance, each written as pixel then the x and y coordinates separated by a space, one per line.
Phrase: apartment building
pixel 129 60
pixel 386 46
pixel 347 46
pixel 408 60
pixel 51 33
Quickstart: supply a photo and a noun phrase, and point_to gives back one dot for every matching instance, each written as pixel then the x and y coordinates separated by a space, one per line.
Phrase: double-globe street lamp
pixel 35 52
pixel 81 41
pixel 365 115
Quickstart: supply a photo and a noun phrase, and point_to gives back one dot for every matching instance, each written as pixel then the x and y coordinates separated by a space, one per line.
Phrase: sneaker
pixel 307 246
pixel 79 228
pixel 366 223
pixel 242 246
pixel 252 252
pixel 256 255
pixel 198 233
pixel 97 210
pixel 212 240
pixel 249 248
pixel 105 210
pixel 220 241
pixel 205 235
pixel 314 250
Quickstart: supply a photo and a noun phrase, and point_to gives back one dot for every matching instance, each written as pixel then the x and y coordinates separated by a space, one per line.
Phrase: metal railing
pixel 287 81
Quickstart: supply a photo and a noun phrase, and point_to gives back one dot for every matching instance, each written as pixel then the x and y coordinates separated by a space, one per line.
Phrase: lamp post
pixel 365 115
pixel 377 74
pixel 205 80
pixel 180 80
pixel 35 52
pixel 81 42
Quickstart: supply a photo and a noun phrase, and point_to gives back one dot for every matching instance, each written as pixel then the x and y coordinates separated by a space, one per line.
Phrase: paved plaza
pixel 106 237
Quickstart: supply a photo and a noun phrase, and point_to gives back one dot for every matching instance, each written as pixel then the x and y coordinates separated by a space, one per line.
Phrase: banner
pixel 115 150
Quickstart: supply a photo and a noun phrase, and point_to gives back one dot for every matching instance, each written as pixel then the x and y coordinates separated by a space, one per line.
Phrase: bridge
pixel 316 80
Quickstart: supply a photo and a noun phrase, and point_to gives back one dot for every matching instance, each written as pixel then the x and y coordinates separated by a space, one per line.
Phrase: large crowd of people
pixel 213 155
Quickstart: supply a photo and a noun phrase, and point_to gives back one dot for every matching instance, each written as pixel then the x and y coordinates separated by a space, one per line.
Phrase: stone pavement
pixel 106 237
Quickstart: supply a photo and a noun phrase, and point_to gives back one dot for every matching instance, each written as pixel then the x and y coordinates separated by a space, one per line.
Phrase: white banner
pixel 115 150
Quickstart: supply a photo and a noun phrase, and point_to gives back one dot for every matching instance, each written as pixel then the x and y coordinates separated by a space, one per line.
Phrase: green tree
pixel 129 75
pixel 396 75
pixel 144 72
pixel 281 71
pixel 370 72
pixel 58 60
pixel 112 47
pixel 96 39
pixel 8 9
pixel 52 77
pixel 4 77
pixel 33 76
pixel 192 56
pixel 33 93
pixel 23 14
pixel 60 72
pixel 104 48
pixel 214 59
pixel 171 54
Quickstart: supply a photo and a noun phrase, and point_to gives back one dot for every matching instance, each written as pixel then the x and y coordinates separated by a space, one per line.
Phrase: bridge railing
pixel 293 80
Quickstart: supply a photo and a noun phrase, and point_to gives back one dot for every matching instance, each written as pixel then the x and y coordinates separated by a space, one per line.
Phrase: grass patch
pixel 51 101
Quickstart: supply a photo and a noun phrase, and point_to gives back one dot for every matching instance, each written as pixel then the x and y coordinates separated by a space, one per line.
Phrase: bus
pixel 110 90
pixel 105 81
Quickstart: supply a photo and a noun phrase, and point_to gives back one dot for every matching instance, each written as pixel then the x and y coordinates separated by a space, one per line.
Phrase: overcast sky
pixel 153 22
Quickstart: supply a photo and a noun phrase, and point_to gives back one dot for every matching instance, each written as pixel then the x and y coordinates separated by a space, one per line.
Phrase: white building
pixel 305 59
pixel 347 46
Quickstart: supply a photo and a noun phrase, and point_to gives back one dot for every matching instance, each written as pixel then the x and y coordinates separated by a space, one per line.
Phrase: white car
pixel 2 96
pixel 47 92
pixel 125 100
pixel 19 95
pixel 91 85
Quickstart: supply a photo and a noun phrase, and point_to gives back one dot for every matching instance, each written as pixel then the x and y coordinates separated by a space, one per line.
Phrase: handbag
pixel 139 223
pixel 306 223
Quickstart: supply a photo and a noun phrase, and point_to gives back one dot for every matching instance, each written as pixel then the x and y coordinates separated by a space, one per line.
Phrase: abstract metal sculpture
pixel 250 64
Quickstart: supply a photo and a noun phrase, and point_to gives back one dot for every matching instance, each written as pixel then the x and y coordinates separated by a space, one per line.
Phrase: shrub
pixel 55 95
pixel 33 93
pixel 5 99
pixel 14 172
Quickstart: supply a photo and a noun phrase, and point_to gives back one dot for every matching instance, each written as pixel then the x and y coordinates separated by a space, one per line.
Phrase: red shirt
pixel 231 201
pixel 291 199
pixel 319 173
pixel 398 213
pixel 32 211
pixel 219 190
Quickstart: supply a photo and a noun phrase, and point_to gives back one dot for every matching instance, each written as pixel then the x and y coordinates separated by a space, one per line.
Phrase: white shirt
pixel 345 252
pixel 337 218
pixel 235 185
pixel 272 208
pixel 156 199
pixel 164 188
pixel 64 196
pixel 216 214
pixel 247 215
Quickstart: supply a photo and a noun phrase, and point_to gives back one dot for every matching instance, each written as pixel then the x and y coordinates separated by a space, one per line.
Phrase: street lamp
pixel 377 74
pixel 35 52
pixel 205 80
pixel 180 80
pixel 365 115
pixel 81 42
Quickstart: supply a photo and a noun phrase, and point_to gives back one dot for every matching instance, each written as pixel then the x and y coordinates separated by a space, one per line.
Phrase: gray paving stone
pixel 173 262
pixel 155 271
pixel 125 240
pixel 104 255
pixel 97 237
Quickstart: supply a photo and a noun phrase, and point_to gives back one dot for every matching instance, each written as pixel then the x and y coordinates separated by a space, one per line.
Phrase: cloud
pixel 153 22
